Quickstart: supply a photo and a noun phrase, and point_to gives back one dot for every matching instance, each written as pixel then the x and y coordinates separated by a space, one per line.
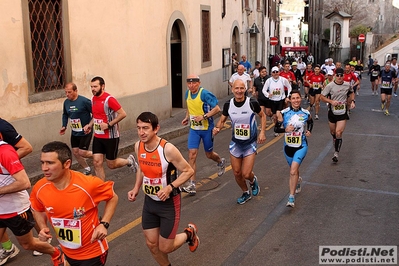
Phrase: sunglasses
pixel 275 71
pixel 340 75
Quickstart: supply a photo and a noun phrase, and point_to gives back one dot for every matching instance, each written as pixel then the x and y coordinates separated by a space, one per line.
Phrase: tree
pixel 360 10
pixel 357 30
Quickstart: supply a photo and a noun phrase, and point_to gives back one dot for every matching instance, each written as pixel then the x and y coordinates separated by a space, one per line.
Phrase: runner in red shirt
pixel 350 77
pixel 15 211
pixel 316 82
pixel 107 113
pixel 306 74
pixel 289 75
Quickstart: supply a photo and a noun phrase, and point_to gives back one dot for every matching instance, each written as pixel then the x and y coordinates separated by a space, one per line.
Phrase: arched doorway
pixel 176 66
pixel 235 45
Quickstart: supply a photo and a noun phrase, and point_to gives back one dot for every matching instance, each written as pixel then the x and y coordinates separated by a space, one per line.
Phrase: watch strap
pixel 106 225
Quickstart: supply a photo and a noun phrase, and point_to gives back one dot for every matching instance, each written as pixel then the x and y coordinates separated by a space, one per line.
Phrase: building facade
pixel 379 16
pixel 143 50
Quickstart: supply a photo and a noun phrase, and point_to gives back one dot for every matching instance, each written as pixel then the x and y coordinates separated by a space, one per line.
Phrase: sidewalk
pixel 170 128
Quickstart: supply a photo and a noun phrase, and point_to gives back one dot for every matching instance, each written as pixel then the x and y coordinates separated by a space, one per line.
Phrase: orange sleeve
pixel 35 203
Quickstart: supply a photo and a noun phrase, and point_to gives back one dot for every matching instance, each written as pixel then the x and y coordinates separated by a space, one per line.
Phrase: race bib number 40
pixel 68 232
pixel 242 131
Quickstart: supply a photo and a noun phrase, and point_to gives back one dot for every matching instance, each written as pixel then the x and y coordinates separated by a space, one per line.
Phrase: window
pixel 246 4
pixel 266 8
pixel 287 29
pixel 223 8
pixel 206 36
pixel 45 49
pixel 47 44
pixel 287 40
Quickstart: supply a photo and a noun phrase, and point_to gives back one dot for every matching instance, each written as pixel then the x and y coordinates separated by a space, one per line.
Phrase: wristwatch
pixel 106 225
pixel 109 126
pixel 205 116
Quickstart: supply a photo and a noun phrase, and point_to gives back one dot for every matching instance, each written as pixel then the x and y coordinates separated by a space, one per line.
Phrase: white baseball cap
pixel 330 72
pixel 275 69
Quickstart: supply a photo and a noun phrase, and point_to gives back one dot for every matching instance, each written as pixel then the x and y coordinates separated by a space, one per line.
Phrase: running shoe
pixel 394 94
pixel 193 240
pixel 222 167
pixel 298 186
pixel 132 163
pixel 276 134
pixel 244 198
pixel 255 187
pixel 37 253
pixel 59 260
pixel 190 189
pixel 8 254
pixel 335 157
pixel 387 113
pixel 291 202
pixel 357 93
pixel 316 117
pixel 382 106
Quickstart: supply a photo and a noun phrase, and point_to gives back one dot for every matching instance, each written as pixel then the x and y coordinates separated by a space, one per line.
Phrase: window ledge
pixel 46 96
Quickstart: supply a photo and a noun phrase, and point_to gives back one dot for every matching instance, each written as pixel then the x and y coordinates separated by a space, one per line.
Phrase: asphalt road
pixel 353 202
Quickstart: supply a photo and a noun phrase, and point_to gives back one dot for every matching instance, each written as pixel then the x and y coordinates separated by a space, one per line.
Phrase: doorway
pixel 176 66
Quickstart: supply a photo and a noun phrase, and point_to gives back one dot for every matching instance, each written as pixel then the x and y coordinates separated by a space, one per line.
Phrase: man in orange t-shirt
pixel 69 201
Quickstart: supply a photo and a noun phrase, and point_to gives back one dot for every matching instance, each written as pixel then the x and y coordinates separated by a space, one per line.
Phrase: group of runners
pixel 79 228
pixel 282 103
pixel 387 77
pixel 67 201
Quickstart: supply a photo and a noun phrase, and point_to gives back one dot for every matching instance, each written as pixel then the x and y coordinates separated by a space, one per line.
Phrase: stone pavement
pixel 170 128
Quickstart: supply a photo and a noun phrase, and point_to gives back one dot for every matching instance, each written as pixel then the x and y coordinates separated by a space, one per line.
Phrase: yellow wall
pixel 125 42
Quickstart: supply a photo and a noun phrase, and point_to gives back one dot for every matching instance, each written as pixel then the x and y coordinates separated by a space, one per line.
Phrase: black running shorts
pixel 162 214
pixel 20 224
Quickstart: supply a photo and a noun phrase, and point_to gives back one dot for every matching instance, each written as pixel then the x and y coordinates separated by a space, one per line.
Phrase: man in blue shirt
pixel 246 64
pixel 387 79
pixel 77 109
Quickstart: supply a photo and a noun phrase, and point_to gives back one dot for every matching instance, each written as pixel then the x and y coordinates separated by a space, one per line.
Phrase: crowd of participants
pixel 79 228
pixel 67 201
pixel 291 83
